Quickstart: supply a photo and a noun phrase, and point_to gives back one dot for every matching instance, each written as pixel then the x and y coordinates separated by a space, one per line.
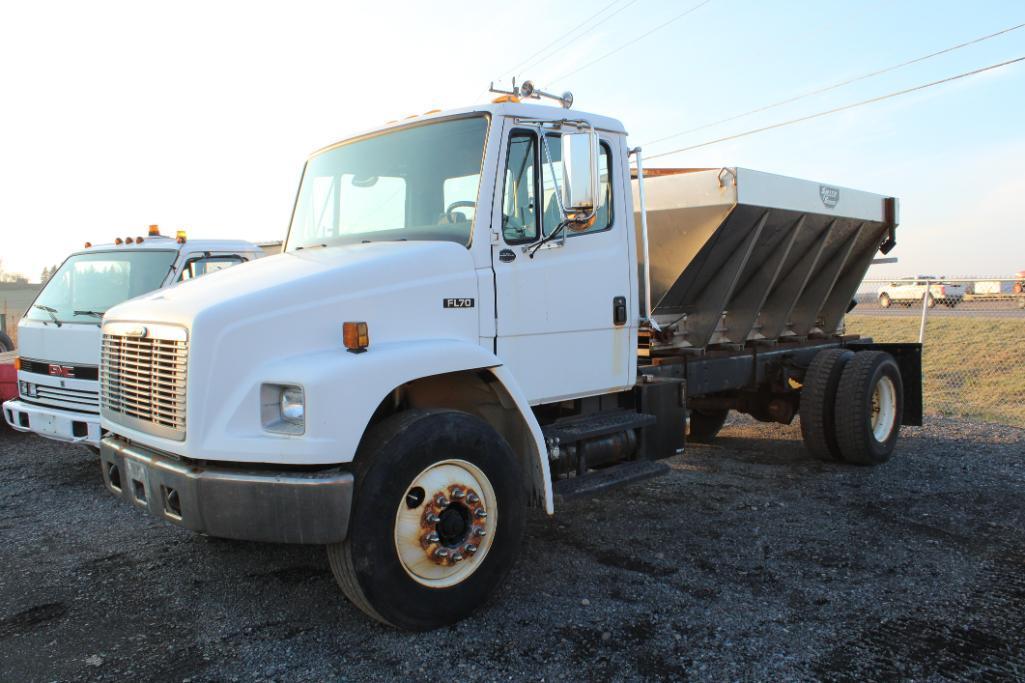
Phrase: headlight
pixel 293 405
pixel 283 408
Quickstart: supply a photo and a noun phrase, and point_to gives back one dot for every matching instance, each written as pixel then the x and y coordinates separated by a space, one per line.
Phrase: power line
pixel 628 44
pixel 528 62
pixel 834 86
pixel 837 109
pixel 560 39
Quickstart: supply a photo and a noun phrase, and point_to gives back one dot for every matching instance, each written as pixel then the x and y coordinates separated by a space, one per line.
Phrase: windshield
pixel 93 282
pixel 418 183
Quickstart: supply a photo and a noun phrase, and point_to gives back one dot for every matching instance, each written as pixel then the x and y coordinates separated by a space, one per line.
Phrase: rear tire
pixel 818 403
pixel 391 564
pixel 705 424
pixel 5 343
pixel 869 408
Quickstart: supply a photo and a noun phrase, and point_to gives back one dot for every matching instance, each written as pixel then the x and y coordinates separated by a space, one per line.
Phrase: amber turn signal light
pixel 17 363
pixel 356 337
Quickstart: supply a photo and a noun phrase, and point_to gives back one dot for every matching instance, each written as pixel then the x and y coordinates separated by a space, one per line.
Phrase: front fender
pixel 342 392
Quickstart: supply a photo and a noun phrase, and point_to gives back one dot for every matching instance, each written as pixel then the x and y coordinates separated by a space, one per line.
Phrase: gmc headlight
pixel 283 408
pixel 26 389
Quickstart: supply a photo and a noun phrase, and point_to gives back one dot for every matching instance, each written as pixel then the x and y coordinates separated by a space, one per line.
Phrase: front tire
pixel 5 343
pixel 869 408
pixel 884 300
pixel 437 519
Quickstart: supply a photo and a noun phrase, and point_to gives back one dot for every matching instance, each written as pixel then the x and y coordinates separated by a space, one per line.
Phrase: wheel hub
pixel 446 523
pixel 452 525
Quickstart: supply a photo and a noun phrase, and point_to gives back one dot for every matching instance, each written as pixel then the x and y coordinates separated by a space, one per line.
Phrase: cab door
pixel 565 312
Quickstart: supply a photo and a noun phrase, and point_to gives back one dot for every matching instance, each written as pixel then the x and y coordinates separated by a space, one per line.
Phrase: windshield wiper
pixel 95 314
pixel 51 311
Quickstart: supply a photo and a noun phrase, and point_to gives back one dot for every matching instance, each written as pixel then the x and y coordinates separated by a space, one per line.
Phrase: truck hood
pixel 261 322
pixel 313 280
pixel 69 344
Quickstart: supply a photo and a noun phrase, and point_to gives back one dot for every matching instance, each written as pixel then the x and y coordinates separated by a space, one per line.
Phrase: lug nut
pixel 433 537
pixel 441 501
pixel 479 531
pixel 441 553
pixel 481 513
pixel 472 498
pixel 470 549
pixel 457 493
pixel 457 557
pixel 432 518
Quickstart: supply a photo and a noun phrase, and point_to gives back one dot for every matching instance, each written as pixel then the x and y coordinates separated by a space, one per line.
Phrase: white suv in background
pixel 912 290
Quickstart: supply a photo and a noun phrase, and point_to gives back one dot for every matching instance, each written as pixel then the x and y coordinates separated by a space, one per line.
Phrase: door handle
pixel 619 310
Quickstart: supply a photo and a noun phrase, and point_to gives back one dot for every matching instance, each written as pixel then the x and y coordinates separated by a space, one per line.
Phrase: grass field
pixel 972 367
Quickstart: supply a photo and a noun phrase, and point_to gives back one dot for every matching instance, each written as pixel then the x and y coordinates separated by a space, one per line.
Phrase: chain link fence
pixel 972 331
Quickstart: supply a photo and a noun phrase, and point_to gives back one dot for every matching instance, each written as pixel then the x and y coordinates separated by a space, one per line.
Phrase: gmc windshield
pixel 88 284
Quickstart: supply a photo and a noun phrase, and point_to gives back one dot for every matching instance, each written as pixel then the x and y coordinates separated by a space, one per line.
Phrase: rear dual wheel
pixel 437 519
pixel 851 406
pixel 869 408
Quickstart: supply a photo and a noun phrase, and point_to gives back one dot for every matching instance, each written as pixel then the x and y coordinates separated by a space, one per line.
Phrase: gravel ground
pixel 748 561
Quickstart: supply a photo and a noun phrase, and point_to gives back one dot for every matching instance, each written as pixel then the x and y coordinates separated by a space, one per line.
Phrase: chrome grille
pixel 81 400
pixel 143 379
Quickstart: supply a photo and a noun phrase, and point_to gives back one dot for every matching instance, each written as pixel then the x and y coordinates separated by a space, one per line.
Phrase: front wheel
pixel 930 301
pixel 5 343
pixel 437 519
pixel 884 300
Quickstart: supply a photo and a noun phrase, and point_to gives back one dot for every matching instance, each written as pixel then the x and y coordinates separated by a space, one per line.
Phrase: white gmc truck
pixel 59 336
pixel 480 310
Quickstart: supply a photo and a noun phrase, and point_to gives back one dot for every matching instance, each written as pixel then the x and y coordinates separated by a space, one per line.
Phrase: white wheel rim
pixel 453 491
pixel 884 408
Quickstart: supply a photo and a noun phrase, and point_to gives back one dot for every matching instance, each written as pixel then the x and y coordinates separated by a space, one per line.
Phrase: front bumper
pixel 53 423
pixel 275 506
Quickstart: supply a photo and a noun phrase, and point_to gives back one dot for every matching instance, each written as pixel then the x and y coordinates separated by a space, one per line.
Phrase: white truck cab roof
pixel 506 109
pixel 166 242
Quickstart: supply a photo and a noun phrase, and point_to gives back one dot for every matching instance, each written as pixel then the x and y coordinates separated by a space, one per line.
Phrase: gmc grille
pixel 143 380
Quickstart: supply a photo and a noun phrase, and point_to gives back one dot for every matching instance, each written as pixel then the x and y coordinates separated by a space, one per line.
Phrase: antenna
pixel 527 90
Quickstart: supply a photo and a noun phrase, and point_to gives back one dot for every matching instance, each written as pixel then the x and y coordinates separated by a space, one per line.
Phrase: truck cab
pixel 469 318
pixel 59 336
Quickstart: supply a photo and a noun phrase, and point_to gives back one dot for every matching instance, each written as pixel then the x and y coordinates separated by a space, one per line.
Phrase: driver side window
pixel 519 201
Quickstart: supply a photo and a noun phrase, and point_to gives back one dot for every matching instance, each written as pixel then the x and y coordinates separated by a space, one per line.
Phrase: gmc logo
pixel 61 370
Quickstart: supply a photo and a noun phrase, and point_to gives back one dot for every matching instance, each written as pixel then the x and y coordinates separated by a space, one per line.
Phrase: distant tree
pixel 47 274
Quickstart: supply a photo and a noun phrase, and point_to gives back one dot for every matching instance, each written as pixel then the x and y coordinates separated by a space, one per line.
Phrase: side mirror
pixel 580 174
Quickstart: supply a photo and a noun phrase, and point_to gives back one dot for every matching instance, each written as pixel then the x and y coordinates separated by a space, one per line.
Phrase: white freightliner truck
pixel 59 336
pixel 480 310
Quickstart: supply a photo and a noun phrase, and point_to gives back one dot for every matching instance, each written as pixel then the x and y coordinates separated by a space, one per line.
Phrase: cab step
pixel 597 481
pixel 578 429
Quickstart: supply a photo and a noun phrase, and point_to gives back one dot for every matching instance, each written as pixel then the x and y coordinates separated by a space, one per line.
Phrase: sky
pixel 199 115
